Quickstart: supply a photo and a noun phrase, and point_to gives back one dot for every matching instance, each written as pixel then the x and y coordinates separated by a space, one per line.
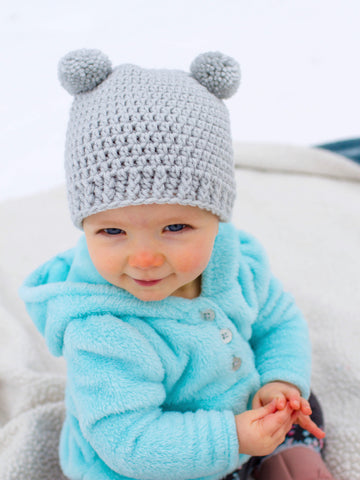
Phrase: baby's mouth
pixel 147 283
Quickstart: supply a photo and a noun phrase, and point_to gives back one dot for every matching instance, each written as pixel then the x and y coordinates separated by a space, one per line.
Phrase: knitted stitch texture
pixel 139 136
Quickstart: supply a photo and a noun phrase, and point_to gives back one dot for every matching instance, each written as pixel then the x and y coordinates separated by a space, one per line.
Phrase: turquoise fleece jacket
pixel 152 387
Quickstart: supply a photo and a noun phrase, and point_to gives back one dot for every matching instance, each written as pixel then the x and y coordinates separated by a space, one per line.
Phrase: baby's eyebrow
pixel 107 224
pixel 176 220
pixel 110 222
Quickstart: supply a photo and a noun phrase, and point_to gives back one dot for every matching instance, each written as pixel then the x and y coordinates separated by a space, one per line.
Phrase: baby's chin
pixel 167 287
pixel 149 294
pixel 155 296
pixel 148 297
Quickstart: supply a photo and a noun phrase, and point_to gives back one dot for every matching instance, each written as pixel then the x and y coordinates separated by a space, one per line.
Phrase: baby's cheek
pixel 191 261
pixel 105 263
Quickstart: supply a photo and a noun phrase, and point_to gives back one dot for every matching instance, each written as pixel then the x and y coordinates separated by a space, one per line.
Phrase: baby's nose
pixel 146 260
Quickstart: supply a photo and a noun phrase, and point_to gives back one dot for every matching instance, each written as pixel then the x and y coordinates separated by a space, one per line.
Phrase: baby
pixel 185 357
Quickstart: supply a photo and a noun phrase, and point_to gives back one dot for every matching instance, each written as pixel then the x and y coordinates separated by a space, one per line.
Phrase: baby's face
pixel 152 251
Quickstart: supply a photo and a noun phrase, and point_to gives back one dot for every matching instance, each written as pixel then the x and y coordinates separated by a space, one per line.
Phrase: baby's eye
pixel 113 231
pixel 176 227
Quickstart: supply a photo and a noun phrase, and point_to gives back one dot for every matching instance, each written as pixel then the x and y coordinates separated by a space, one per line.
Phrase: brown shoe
pixel 295 463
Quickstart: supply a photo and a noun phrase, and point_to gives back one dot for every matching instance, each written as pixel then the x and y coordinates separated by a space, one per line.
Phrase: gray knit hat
pixel 139 136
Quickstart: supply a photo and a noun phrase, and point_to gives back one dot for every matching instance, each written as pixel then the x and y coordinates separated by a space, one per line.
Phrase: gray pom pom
pixel 82 70
pixel 217 72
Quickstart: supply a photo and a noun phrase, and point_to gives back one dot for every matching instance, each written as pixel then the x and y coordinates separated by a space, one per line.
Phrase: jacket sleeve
pixel 115 387
pixel 280 336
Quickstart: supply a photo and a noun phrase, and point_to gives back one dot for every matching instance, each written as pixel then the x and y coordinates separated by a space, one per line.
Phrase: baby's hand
pixel 261 430
pixel 283 394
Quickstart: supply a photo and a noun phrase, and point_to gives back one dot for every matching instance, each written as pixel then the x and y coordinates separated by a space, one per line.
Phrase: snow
pixel 299 62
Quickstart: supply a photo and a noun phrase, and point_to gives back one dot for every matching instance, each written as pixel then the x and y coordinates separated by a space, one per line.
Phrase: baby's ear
pixel 82 70
pixel 217 72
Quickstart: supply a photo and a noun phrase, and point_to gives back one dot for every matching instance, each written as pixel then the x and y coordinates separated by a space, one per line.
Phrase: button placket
pixel 208 315
pixel 236 363
pixel 226 335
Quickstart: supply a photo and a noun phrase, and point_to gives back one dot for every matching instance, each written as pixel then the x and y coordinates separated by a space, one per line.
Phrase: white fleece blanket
pixel 302 203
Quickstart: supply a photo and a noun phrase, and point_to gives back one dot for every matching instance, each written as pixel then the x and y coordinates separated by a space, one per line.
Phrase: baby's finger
pixel 307 424
pixel 278 421
pixel 256 403
pixel 262 412
pixel 294 399
pixel 280 401
pixel 285 427
pixel 305 407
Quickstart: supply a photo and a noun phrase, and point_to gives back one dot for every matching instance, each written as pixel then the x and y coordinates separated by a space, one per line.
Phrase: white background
pixel 299 61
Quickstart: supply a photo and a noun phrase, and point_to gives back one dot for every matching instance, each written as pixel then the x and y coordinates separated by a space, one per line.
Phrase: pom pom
pixel 82 70
pixel 217 72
